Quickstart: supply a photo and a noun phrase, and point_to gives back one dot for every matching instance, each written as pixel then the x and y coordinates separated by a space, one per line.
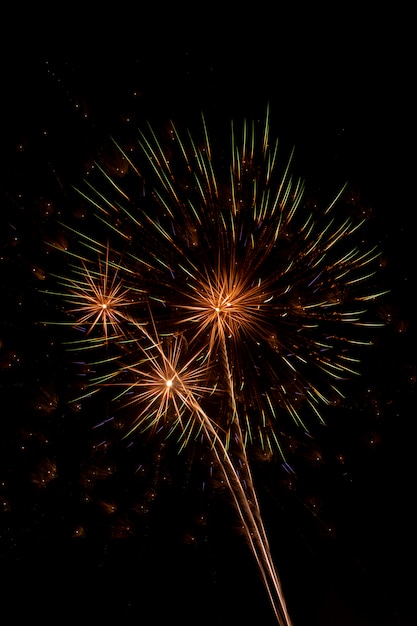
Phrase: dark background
pixel 340 86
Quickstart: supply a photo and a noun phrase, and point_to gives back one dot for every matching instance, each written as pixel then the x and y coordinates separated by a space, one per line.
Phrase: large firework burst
pixel 227 306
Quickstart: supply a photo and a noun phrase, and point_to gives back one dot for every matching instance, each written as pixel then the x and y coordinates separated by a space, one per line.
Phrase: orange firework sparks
pixel 164 386
pixel 98 297
pixel 234 306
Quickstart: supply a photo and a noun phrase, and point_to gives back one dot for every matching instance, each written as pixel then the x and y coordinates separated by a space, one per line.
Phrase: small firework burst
pixel 164 386
pixel 232 307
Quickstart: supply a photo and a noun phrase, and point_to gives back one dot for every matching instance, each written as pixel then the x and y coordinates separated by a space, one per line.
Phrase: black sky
pixel 340 90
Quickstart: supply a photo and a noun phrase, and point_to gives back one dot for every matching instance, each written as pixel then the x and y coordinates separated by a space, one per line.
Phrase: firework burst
pixel 230 304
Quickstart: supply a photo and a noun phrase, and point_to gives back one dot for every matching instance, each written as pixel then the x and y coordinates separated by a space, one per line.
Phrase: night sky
pixel 89 537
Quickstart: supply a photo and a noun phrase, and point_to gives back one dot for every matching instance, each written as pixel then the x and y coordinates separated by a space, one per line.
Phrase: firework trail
pixel 225 308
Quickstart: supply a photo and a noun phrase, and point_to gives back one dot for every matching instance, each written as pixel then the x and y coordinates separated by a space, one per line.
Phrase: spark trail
pixel 166 391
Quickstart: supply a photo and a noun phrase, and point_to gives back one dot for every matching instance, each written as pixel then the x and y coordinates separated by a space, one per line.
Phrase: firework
pixel 230 307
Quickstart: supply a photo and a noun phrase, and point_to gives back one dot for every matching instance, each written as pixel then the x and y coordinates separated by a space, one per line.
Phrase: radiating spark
pixel 97 298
